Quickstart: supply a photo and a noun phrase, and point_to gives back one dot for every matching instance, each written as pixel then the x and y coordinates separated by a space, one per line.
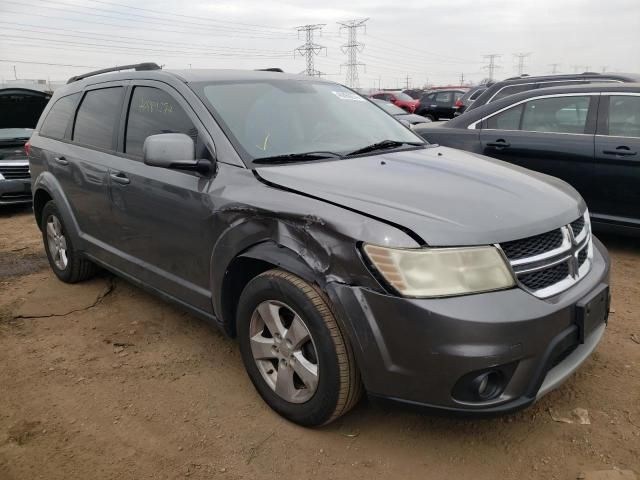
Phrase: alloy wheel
pixel 57 242
pixel 284 351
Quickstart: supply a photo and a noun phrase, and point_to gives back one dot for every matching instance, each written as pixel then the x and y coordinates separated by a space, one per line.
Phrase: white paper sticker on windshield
pixel 346 95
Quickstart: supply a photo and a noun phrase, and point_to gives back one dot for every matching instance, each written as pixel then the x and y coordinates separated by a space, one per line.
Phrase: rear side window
pixel 476 94
pixel 556 115
pixel 97 118
pixel 624 116
pixel 153 111
pixel 444 98
pixel 507 120
pixel 57 121
pixel 512 90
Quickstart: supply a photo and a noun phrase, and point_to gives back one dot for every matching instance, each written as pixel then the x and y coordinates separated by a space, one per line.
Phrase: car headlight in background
pixel 441 272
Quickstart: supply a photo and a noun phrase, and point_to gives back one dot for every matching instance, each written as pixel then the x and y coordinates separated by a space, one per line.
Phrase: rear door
pixel 550 134
pixel 617 151
pixel 444 104
pixel 164 217
pixel 84 163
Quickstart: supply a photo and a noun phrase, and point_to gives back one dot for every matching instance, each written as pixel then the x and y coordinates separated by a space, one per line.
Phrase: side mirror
pixel 173 150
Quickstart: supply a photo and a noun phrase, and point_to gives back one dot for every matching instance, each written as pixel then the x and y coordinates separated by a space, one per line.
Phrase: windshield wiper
pixel 297 157
pixel 384 145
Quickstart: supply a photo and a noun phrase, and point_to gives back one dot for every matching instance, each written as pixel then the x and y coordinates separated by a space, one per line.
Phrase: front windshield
pixel 267 118
pixel 390 108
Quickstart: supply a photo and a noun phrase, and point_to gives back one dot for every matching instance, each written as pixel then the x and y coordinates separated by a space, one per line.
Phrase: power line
pixel 521 58
pixel 351 48
pixel 2 60
pixel 491 66
pixel 310 49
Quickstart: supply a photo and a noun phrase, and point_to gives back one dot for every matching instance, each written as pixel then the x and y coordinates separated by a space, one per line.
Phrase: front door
pixel 552 135
pixel 164 216
pixel 617 151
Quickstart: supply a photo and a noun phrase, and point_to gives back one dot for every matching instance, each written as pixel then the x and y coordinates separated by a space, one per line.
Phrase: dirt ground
pixel 100 380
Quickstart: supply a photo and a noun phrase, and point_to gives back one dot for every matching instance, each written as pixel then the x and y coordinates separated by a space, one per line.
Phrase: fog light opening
pixel 488 385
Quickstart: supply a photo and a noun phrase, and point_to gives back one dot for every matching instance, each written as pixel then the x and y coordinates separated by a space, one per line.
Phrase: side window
pixel 379 96
pixel 97 117
pixel 557 115
pixel 512 90
pixel 444 98
pixel 55 125
pixel 624 116
pixel 153 111
pixel 457 96
pixel 476 94
pixel 389 97
pixel 507 120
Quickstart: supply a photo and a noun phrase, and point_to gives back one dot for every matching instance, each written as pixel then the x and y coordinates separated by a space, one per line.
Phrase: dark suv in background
pixel 524 83
pixel 342 251
pixel 440 104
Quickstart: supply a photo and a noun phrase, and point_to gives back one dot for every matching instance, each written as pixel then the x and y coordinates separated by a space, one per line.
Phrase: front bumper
pixel 416 351
pixel 15 191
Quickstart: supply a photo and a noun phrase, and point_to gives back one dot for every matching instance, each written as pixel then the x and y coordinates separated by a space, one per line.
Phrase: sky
pixel 411 42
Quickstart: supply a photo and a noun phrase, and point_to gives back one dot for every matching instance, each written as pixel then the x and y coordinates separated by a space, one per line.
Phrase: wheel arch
pixel 250 263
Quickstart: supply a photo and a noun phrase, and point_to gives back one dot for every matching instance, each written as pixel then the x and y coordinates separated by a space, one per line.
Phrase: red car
pixel 400 99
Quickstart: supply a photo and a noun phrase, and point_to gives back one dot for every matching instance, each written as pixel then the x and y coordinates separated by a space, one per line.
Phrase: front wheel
pixel 295 353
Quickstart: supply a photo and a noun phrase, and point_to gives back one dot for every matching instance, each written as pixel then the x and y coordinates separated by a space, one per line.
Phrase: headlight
pixel 441 272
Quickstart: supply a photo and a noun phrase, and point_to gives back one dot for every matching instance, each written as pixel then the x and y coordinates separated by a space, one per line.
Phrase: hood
pixel 446 197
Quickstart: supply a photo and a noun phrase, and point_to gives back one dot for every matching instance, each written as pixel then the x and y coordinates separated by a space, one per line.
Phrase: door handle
pixel 120 178
pixel 500 143
pixel 622 150
pixel 61 161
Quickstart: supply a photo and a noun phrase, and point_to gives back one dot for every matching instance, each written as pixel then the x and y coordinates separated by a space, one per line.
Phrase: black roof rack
pixel 271 69
pixel 137 67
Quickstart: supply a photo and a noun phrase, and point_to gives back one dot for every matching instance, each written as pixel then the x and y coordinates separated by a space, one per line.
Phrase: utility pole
pixel 576 68
pixel 554 67
pixel 351 48
pixel 310 49
pixel 491 66
pixel 15 74
pixel 462 79
pixel 407 78
pixel 521 57
pixel 587 68
pixel 604 68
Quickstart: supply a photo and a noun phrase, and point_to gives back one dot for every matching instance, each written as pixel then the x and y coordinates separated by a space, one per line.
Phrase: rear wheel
pixel 66 263
pixel 294 351
pixel 431 117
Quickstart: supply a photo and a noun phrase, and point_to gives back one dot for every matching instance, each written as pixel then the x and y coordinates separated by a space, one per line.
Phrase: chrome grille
pixel 546 264
pixel 577 226
pixel 14 170
pixel 531 246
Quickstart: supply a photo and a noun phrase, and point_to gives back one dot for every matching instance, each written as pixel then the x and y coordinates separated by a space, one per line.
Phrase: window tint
pixel 97 117
pixel 477 93
pixel 558 115
pixel 457 96
pixel 507 120
pixel 403 96
pixel 511 90
pixel 153 111
pixel 444 98
pixel 55 125
pixel 624 116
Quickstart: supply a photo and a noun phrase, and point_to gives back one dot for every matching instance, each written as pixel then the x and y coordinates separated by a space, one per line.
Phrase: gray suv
pixel 344 252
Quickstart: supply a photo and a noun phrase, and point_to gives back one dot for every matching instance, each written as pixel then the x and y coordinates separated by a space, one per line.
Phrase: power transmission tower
pixel 310 49
pixel 351 48
pixel 491 66
pixel 554 67
pixel 521 57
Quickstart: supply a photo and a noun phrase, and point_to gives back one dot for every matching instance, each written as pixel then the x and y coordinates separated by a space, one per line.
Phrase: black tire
pixel 431 117
pixel 77 267
pixel 339 386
